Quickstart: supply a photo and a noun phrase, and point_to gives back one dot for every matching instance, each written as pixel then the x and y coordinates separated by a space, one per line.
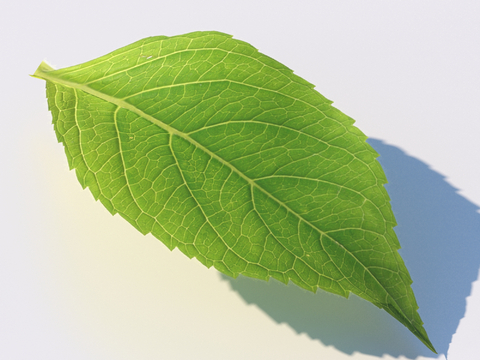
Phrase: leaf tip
pixel 43 68
pixel 429 344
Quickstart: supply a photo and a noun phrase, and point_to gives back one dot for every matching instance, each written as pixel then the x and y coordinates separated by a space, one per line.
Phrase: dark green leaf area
pixel 225 154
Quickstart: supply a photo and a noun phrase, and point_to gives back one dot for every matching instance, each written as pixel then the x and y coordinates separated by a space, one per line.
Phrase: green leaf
pixel 224 153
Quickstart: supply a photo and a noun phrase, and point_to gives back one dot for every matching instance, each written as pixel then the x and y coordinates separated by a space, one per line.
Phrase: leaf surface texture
pixel 224 153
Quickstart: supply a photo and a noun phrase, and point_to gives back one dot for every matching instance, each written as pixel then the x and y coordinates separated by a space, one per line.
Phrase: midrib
pixel 45 75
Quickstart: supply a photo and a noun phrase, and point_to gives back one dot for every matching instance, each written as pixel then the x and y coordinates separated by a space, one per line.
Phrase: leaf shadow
pixel 439 231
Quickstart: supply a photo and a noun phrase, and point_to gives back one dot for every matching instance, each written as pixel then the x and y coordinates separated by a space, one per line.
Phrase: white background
pixel 77 283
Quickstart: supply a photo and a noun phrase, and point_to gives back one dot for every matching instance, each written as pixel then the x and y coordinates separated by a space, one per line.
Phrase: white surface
pixel 77 283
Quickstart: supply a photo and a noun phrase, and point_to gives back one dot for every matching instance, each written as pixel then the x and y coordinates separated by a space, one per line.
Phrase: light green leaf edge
pixel 346 253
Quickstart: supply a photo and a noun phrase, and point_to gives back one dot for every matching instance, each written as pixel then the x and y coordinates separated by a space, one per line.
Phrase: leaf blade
pixel 223 152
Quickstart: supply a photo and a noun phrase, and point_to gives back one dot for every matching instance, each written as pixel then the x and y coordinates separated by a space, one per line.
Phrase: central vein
pixel 44 72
